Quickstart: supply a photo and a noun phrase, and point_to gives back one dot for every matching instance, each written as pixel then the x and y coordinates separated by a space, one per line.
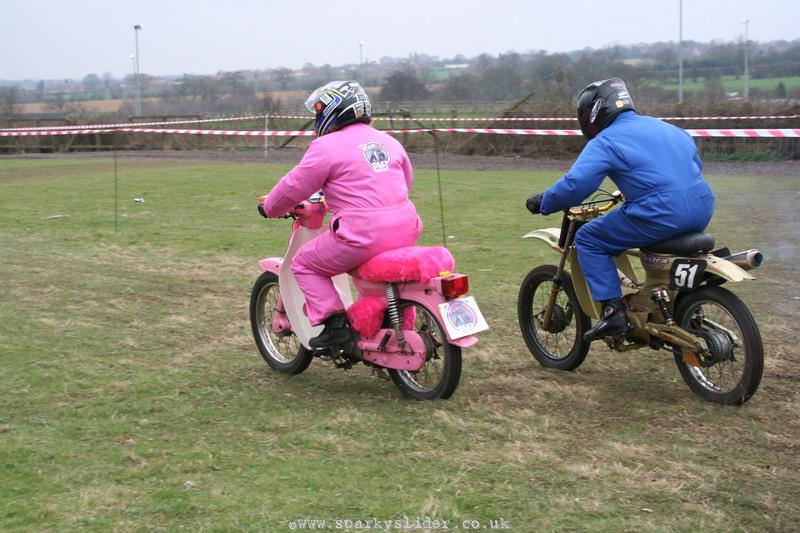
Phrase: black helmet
pixel 338 104
pixel 600 102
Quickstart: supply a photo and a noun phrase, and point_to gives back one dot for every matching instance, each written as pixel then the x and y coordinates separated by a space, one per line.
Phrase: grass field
pixel 732 83
pixel 133 397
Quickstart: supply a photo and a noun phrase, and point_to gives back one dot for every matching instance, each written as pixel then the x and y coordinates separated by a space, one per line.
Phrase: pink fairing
pixel 412 263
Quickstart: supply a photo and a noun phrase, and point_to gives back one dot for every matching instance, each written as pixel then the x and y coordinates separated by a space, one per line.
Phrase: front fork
pixel 556 288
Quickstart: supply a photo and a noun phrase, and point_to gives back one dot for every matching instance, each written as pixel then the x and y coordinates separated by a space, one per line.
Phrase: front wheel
pixel 732 371
pixel 561 345
pixel 281 351
pixel 439 376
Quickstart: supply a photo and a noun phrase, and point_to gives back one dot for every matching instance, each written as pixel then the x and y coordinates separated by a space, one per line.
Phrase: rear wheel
pixel 282 351
pixel 732 371
pixel 439 376
pixel 561 345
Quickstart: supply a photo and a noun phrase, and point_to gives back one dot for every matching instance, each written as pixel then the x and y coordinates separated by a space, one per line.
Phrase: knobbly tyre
pixel 412 317
pixel 680 305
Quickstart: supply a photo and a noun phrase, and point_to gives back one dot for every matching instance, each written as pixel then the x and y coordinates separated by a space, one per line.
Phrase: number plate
pixel 462 317
pixel 686 274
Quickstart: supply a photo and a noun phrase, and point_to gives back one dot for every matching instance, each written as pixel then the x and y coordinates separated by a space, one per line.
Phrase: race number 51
pixel 686 274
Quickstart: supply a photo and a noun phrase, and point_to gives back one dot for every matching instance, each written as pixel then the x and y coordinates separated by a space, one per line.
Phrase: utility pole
pixel 138 78
pixel 361 62
pixel 746 23
pixel 680 51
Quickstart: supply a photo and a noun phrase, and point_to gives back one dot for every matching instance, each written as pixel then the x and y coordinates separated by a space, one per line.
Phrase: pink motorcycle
pixel 412 316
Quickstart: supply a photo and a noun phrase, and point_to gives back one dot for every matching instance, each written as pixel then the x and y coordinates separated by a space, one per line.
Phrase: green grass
pixel 133 397
pixel 732 83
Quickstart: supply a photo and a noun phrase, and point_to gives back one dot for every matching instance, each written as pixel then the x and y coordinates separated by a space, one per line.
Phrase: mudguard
pixel 548 235
pixel 726 269
pixel 271 264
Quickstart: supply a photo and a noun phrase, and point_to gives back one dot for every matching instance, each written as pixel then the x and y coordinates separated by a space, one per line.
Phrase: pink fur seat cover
pixel 412 263
pixel 366 315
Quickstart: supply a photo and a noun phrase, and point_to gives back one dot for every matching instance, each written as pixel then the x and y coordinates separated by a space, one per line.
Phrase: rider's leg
pixel 313 266
pixel 355 237
pixel 670 214
pixel 597 243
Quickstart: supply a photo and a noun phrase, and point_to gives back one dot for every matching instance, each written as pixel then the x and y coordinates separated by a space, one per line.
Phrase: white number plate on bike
pixel 686 274
pixel 462 317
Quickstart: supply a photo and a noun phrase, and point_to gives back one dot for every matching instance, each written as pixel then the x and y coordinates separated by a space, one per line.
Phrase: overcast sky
pixel 54 39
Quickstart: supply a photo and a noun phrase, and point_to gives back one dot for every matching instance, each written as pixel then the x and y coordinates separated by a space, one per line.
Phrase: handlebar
pixel 314 206
pixel 591 210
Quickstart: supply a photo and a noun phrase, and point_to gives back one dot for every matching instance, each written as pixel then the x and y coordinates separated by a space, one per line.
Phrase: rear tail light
pixel 455 285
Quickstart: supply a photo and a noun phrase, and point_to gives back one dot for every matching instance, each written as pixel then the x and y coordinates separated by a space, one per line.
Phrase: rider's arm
pixel 301 182
pixel 587 173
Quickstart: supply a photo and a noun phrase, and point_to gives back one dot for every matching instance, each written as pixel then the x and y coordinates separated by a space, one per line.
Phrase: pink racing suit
pixel 365 176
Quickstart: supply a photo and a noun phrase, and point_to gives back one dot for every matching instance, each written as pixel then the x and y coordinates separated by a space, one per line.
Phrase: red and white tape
pixel 223 133
pixel 730 133
pixel 53 132
pixel 545 119
pixel 399 119
pixel 136 124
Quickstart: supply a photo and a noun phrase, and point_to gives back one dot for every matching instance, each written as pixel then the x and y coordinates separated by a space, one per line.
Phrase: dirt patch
pixel 292 155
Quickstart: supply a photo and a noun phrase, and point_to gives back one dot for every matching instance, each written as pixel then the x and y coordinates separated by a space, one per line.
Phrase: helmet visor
pixel 312 100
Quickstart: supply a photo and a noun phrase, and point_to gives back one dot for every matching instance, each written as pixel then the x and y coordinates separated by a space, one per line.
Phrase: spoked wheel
pixel 439 377
pixel 561 345
pixel 281 351
pixel 731 373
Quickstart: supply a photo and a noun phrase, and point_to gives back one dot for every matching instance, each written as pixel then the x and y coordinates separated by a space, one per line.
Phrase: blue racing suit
pixel 657 168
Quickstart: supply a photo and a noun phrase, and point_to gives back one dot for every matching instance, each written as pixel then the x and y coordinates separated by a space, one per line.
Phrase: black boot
pixel 336 332
pixel 613 322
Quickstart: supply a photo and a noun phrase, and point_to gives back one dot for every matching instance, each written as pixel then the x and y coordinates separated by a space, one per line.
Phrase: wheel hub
pixel 558 320
pixel 720 347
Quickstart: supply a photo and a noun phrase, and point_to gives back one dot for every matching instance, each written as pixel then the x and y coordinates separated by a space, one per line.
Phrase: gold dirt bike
pixel 679 305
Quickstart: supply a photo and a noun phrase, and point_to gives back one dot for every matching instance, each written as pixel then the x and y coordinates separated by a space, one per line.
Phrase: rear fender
pixel 429 296
pixel 726 269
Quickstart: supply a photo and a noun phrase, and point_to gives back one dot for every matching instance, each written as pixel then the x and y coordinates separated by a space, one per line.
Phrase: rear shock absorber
pixel 661 297
pixel 394 312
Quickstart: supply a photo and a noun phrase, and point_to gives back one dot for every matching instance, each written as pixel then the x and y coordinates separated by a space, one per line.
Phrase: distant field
pixel 731 84
pixel 134 398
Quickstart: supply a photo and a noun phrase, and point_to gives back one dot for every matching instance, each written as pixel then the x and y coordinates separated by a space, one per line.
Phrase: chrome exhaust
pixel 747 260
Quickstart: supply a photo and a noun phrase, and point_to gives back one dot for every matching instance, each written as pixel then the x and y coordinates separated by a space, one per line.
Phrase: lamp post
pixel 746 23
pixel 680 51
pixel 361 61
pixel 137 77
pixel 133 79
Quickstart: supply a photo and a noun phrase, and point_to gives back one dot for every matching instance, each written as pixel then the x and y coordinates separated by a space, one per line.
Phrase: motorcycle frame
pixel 637 294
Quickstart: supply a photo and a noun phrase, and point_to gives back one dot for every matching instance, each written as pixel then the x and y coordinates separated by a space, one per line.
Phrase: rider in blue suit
pixel 656 167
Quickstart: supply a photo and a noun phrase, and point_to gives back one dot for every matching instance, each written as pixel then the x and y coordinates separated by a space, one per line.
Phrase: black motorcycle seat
pixel 687 245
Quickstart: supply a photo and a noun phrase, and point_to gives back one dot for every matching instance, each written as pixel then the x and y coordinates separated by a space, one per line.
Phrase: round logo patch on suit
pixel 376 155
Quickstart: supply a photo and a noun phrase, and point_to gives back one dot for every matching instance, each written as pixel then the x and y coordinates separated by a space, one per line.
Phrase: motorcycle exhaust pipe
pixel 748 260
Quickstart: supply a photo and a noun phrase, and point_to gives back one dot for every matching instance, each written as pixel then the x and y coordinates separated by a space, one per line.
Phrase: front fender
pixel 548 235
pixel 271 264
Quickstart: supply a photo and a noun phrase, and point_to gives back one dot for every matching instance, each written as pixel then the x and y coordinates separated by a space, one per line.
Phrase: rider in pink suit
pixel 365 176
